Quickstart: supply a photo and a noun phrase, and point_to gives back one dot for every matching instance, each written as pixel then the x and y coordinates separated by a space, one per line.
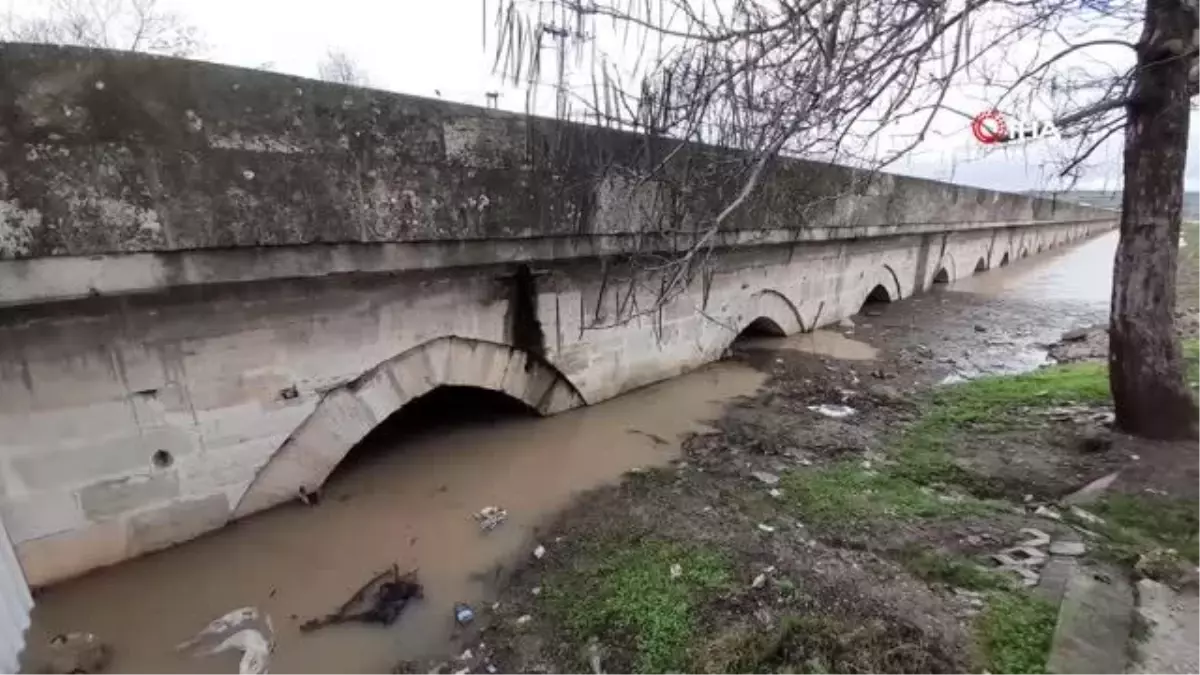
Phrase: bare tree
pixel 340 67
pixel 864 82
pixel 133 25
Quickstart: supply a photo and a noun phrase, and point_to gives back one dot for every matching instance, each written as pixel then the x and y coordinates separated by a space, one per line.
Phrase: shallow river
pixel 411 502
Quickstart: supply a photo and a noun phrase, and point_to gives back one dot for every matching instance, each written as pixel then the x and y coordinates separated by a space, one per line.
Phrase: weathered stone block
pixel 120 495
pixel 67 554
pixel 40 515
pixel 176 522
pixel 62 467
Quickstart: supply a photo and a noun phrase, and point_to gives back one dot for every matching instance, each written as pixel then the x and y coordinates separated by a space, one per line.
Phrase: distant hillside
pixel 1112 200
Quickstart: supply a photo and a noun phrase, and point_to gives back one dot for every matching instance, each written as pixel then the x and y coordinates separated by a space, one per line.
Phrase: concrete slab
pixel 1094 622
pixel 1172 621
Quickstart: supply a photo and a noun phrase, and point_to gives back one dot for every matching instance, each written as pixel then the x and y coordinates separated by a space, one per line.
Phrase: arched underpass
pixel 874 302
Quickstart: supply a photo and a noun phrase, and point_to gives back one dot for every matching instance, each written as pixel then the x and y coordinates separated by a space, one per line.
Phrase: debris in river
pixel 226 625
pixel 832 410
pixel 490 516
pixel 380 600
pixel 759 581
pixel 238 632
pixel 255 649
pixel 77 653
pixel 524 619
pixel 463 614
pixel 308 498
pixel 539 552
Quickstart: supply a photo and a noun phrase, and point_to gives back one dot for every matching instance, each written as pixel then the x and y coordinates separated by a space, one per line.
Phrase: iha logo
pixel 992 127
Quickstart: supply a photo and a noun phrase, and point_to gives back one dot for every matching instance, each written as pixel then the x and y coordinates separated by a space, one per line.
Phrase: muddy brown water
pixel 411 501
pixel 411 505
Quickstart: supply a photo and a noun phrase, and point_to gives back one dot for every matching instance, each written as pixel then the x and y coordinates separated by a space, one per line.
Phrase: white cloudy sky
pixel 427 47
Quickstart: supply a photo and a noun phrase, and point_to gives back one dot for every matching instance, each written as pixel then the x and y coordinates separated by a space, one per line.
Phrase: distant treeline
pixel 1112 200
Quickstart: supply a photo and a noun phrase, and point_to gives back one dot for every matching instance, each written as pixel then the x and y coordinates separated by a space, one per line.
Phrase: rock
pixel 763 527
pixel 463 614
pixel 676 571
pixel 1047 512
pixel 1092 491
pixel 77 653
pixel 980 329
pixel 765 478
pixel 776 493
pixel 759 581
pixel 1068 548
pixel 832 410
pixel 1094 440
pixel 1086 516
pixel 490 516
pixel 524 619
pixel 1075 335
pixel 539 552
pixel 973 540
pixel 467 655
pixel 536 590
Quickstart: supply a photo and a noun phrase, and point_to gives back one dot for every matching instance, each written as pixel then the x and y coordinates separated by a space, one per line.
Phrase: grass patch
pixel 826 643
pixel 844 493
pixel 1015 633
pixel 952 570
pixel 1191 356
pixel 1135 524
pixel 627 596
pixel 991 404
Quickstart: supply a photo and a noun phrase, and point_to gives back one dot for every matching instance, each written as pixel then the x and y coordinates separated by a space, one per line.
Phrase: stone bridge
pixel 215 281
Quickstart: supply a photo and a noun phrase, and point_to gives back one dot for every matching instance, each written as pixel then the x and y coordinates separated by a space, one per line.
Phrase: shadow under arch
pixel 981 265
pixel 346 413
pixel 1004 260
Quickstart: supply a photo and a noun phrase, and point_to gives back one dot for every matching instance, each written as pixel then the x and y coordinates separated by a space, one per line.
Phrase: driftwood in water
pixel 380 600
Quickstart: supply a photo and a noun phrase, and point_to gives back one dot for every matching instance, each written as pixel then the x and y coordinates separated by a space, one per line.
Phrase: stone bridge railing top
pixel 109 152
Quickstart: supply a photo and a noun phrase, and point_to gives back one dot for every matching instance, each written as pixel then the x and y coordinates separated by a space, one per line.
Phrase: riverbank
pixel 789 539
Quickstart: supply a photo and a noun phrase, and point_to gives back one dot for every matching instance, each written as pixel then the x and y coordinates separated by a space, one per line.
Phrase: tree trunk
pixel 1146 369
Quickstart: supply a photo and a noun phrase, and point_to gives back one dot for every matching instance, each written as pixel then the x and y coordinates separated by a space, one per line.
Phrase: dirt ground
pixel 787 540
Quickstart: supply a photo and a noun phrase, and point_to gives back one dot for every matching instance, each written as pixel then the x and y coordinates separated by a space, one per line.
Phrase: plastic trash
pixel 463 614
pixel 233 628
pixel 490 516
pixel 834 410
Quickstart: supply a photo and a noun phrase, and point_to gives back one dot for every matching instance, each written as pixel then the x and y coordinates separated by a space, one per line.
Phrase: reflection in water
pixel 822 342
pixel 409 505
pixel 1079 274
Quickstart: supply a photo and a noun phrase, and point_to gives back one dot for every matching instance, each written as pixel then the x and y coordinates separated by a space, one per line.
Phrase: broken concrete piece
pixel 1069 548
pixel 765 478
pixel 834 410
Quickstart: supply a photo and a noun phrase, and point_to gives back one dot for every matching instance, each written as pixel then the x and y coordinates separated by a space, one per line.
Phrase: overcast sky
pixel 435 47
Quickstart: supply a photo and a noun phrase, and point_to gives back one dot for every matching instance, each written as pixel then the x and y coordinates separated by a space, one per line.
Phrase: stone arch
pixel 762 327
pixel 1004 261
pixel 885 278
pixel 346 413
pixel 981 264
pixel 944 271
pixel 774 306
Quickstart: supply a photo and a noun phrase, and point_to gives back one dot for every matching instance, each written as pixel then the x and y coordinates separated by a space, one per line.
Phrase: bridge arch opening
pixel 981 266
pixel 941 277
pixel 1004 260
pixel 878 297
pixel 759 328
pixel 348 413
pixel 442 409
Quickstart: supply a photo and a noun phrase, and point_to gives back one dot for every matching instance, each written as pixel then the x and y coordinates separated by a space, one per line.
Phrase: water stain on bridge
pixel 407 496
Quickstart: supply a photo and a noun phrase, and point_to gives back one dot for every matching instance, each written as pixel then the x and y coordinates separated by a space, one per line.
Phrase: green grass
pixel 1191 355
pixel 992 404
pixel 1015 633
pixel 626 596
pixel 1136 524
pixel 844 493
pixel 953 570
